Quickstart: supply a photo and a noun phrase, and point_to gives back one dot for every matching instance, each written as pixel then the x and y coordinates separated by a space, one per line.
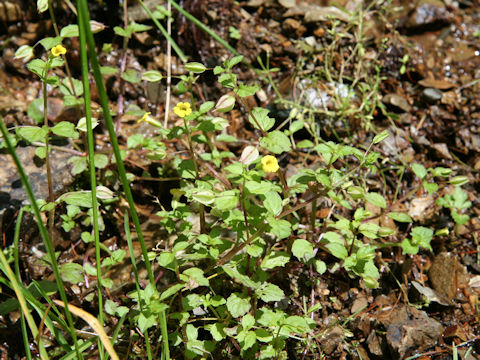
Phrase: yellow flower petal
pixel 144 117
pixel 58 50
pixel 182 109
pixel 270 164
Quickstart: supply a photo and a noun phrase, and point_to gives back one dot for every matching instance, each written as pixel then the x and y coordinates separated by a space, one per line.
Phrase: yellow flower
pixel 58 50
pixel 270 164
pixel 177 193
pixel 182 109
pixel 144 117
pixel 150 120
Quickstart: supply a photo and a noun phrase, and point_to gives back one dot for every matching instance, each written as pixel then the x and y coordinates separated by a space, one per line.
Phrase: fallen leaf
pixel 441 84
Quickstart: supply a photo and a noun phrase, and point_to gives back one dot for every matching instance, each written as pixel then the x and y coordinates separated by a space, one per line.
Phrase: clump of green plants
pixel 238 222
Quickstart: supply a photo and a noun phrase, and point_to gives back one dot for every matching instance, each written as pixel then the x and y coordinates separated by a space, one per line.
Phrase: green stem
pixel 197 174
pixel 137 280
pixel 43 232
pixel 164 32
pixel 16 239
pixel 51 197
pixel 203 27
pixel 92 171
pixel 83 12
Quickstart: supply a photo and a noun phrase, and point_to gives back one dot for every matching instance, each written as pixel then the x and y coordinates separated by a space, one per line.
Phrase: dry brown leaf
pixel 94 324
pixel 441 84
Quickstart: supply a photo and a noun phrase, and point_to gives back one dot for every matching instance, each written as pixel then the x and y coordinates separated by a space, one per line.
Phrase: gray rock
pixel 12 193
pixel 411 329
pixel 428 13
pixel 431 95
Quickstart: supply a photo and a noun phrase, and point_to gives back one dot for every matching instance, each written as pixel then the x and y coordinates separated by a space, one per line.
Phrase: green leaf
pixel 42 6
pixel 134 27
pixel 78 198
pixel 419 170
pixel 356 192
pixel 121 32
pixel 243 279
pixel 108 70
pixel 273 203
pixel 194 278
pixel 233 61
pixel 32 133
pixel 205 107
pixel 249 340
pixel 226 138
pixel 305 144
pixel 422 236
pixel 56 62
pixel 376 199
pixel 50 42
pixel 303 250
pixel 145 322
pixel 408 247
pixel 249 155
pixel 382 136
pixel 72 273
pixel 135 141
pixel 400 217
pixel 280 228
pixel 276 142
pixel 244 90
pixel 70 31
pixel 24 52
pixel 41 152
pixel 296 126
pixel 131 76
pixel 152 76
pixel 297 324
pixel 247 322
pixel 430 187
pixel 335 244
pixel 320 266
pixel 217 331
pixel 225 103
pixel 270 292
pixel 104 193
pixel 195 67
pixel 227 200
pixel 205 197
pixel 66 87
pixel 369 229
pixel 459 180
pixel 218 70
pixel 460 219
pixel 37 66
pixel 53 80
pixel 66 129
pixel 171 291
pixel 79 164
pixel 275 259
pixel 258 187
pixel 441 172
pixel 262 119
pixel 238 305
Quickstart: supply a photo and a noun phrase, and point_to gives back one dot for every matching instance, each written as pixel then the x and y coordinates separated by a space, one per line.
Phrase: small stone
pixel 411 329
pixel 431 95
pixel 428 13
pixel 359 304
pixel 374 344
pixel 442 274
pixel 332 338
pixel 398 102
